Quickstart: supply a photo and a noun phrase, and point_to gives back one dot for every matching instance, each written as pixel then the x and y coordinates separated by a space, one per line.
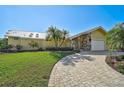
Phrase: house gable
pixel 93 39
pixel 98 34
pixel 100 29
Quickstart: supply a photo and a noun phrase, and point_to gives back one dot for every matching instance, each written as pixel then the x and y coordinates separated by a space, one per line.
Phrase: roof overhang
pixel 88 32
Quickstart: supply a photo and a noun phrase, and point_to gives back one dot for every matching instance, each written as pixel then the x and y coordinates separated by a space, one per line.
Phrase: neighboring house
pixel 93 40
pixel 23 38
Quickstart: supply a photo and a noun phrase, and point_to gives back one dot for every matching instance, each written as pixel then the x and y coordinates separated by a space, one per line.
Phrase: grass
pixel 28 68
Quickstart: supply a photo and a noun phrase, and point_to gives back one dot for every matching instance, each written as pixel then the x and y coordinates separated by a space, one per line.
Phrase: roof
pixel 87 32
pixel 24 34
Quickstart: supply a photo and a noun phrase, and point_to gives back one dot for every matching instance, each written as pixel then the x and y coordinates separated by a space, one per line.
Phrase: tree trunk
pixel 56 45
pixel 62 42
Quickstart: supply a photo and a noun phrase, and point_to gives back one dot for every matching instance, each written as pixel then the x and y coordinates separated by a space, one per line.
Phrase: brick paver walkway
pixel 80 70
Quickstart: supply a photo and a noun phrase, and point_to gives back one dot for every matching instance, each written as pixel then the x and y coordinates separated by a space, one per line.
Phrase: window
pixel 14 32
pixel 37 35
pixel 31 35
pixel 16 38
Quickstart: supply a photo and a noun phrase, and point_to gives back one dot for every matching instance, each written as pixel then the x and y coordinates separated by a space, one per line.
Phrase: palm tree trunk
pixel 62 41
pixel 56 45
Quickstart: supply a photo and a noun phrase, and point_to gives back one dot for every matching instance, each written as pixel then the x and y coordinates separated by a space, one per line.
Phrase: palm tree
pixel 51 34
pixel 64 36
pixel 115 38
pixel 57 35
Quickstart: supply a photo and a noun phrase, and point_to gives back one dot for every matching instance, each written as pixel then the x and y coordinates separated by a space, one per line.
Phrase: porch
pixel 82 42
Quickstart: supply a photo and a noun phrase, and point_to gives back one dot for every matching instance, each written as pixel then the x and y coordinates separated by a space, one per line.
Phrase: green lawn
pixel 28 68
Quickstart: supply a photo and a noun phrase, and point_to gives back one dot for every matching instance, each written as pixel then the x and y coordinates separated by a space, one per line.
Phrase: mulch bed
pixel 116 62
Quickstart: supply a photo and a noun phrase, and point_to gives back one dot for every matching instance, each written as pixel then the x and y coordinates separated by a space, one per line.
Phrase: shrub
pixel 120 58
pixel 115 38
pixel 120 67
pixel 9 46
pixel 59 49
pixel 3 44
pixel 110 61
pixel 18 47
pixel 40 49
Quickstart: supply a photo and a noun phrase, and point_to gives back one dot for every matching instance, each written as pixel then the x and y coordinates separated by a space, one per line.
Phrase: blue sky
pixel 75 19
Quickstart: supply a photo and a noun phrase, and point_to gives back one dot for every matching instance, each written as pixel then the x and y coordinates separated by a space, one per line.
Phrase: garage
pixel 91 40
pixel 97 45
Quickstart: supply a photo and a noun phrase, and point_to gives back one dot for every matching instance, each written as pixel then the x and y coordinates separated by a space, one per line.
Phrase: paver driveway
pixel 84 70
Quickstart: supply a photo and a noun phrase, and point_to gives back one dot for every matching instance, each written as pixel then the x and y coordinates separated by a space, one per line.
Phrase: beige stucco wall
pixel 66 43
pixel 97 35
pixel 25 43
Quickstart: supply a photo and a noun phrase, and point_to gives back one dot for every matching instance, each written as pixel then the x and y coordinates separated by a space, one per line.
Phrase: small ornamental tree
pixel 34 44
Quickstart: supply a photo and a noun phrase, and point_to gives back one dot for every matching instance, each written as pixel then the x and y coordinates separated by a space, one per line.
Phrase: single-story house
pixel 93 39
pixel 24 38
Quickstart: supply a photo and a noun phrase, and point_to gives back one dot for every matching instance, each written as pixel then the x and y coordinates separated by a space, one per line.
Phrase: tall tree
pixel 115 37
pixel 57 35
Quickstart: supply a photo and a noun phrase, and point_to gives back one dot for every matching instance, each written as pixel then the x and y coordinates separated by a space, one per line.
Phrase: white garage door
pixel 97 45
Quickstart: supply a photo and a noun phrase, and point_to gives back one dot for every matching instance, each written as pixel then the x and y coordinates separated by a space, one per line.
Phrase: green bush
pixel 18 47
pixel 59 49
pixel 120 58
pixel 120 68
